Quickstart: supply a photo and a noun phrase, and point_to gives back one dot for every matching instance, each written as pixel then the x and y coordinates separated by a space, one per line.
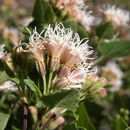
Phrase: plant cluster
pixel 65 67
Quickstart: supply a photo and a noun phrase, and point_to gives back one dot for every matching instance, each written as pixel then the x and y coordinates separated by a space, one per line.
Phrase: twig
pixel 25 116
pixel 37 123
pixel 48 121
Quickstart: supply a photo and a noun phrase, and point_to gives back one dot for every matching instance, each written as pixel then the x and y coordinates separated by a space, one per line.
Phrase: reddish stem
pixel 25 116
pixel 48 121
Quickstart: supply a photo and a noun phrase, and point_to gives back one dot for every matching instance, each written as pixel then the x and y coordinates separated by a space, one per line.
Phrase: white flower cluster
pixel 77 10
pixel 66 49
pixel 116 15
pixel 112 69
pixel 2 51
pixel 8 86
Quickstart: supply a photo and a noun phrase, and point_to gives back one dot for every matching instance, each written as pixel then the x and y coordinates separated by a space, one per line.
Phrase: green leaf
pixel 67 99
pixel 120 124
pixel 105 30
pixel 14 128
pixel 112 49
pixel 3 120
pixel 69 23
pixel 82 32
pixel 3 76
pixel 71 126
pixel 33 86
pixel 72 114
pixel 84 120
pixel 43 12
pixel 16 80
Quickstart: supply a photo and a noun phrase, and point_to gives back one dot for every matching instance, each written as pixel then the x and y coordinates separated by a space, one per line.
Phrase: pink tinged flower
pixel 8 86
pixel 68 54
pixel 114 74
pixel 90 79
pixel 37 50
pixel 54 52
pixel 38 55
pixel 98 85
pixel 2 51
pixel 64 71
pixel 73 49
pixel 70 64
pixel 60 120
pixel 8 60
pixel 64 83
pixel 103 92
pixel 77 10
pixel 12 34
pixel 77 75
pixel 116 15
pixel 73 80
pixel 89 21
pixel 25 21
pixel 36 47
pixel 70 60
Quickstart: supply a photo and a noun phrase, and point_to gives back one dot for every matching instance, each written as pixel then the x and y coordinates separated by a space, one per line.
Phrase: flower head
pixel 36 47
pixel 95 85
pixel 117 16
pixel 88 21
pixel 61 4
pixel 68 55
pixel 114 74
pixel 8 85
pixel 2 51
pixel 77 10
pixel 12 34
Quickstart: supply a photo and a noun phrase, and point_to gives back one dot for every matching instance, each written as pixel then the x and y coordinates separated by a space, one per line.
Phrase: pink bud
pixel 103 92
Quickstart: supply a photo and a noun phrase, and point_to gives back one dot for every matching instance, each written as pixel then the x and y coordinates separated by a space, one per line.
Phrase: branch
pixel 25 116
pixel 37 123
pixel 48 121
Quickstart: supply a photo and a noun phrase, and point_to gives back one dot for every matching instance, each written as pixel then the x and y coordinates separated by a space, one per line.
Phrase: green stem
pixel 20 91
pixel 44 83
pixel 99 60
pixel 50 81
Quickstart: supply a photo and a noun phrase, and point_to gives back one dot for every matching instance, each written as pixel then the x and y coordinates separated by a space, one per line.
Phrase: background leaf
pixel 72 126
pixel 3 120
pixel 43 12
pixel 84 120
pixel 113 49
pixel 120 124
pixel 105 30
pixel 70 24
pixel 3 76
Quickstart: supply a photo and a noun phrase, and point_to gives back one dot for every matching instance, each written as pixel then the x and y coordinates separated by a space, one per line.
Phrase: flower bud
pixel 103 92
pixel 98 86
pixel 9 62
pixel 90 79
pixel 21 59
